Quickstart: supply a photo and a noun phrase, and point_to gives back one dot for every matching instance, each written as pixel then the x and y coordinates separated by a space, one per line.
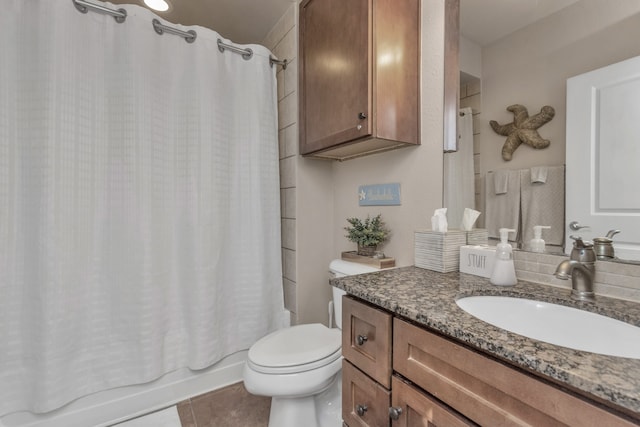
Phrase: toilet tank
pixel 341 268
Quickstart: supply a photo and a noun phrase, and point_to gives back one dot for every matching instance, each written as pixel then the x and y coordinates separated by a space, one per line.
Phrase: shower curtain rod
pixel 160 28
pixel 247 53
pixel 189 36
pixel 120 15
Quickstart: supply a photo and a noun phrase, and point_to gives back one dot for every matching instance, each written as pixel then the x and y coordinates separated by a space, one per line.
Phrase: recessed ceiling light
pixel 159 5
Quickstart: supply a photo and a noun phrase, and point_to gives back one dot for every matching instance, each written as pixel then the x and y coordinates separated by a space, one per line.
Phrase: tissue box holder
pixel 477 236
pixel 477 260
pixel 438 251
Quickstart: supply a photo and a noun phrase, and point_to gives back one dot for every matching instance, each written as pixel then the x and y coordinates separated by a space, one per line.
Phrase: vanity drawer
pixel 485 390
pixel 366 339
pixel 419 409
pixel 364 402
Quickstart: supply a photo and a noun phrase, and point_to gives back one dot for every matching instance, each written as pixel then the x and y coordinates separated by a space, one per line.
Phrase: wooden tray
pixel 374 262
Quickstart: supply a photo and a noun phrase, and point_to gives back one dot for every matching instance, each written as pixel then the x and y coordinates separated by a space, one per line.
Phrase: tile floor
pixel 231 406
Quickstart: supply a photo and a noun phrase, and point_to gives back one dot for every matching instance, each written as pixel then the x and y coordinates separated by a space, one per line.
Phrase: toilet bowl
pixel 300 367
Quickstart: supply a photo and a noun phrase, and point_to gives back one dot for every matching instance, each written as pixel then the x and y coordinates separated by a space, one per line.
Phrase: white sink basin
pixel 557 324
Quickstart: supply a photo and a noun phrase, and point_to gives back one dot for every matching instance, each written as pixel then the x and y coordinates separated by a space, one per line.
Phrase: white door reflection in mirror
pixel 603 155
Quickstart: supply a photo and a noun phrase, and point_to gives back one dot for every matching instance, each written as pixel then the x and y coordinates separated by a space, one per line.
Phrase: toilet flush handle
pixel 361 339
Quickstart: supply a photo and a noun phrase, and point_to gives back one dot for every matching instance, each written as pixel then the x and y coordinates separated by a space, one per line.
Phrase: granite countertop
pixel 428 298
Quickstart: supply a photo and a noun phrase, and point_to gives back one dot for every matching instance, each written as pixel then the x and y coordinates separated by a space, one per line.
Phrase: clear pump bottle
pixel 504 272
pixel 537 244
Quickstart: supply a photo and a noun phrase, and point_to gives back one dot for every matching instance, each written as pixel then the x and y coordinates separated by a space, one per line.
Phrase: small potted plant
pixel 368 233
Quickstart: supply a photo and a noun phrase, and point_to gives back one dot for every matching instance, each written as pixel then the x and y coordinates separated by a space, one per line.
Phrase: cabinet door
pixel 366 339
pixel 335 72
pixel 364 402
pixel 485 390
pixel 417 409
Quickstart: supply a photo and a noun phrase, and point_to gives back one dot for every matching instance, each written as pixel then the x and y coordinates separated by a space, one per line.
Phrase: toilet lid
pixel 295 346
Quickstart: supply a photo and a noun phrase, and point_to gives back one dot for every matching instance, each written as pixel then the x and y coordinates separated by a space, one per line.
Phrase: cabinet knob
pixel 361 339
pixel 362 116
pixel 361 409
pixel 394 413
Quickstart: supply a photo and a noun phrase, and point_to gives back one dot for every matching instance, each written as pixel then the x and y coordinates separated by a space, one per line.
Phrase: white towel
pixel 500 181
pixel 502 210
pixel 543 204
pixel 539 174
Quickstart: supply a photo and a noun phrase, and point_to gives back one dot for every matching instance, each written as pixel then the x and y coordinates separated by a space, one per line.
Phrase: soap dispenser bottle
pixel 537 244
pixel 504 272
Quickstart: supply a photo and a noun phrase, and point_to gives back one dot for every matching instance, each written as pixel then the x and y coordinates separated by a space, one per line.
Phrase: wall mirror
pixel 523 53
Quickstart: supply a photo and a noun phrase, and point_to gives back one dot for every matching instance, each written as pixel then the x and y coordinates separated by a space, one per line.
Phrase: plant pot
pixel 367 250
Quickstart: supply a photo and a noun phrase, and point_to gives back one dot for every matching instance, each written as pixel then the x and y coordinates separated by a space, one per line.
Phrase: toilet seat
pixel 296 349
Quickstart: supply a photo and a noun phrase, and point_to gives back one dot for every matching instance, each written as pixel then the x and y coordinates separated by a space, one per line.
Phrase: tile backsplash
pixel 613 279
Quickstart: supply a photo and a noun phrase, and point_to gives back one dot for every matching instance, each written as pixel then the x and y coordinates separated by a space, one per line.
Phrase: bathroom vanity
pixel 411 354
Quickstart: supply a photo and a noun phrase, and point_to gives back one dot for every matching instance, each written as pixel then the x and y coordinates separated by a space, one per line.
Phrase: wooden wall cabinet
pixel 359 76
pixel 433 381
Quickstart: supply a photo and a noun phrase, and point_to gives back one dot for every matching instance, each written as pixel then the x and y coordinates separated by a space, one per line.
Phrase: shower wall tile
pixel 288 169
pixel 473 102
pixel 291 140
pixel 290 302
pixel 470 97
pixel 281 141
pixel 289 262
pixel 282 41
pixel 287 47
pixel 290 77
pixel 477 125
pixel 473 87
pixel 287 110
pixel 284 25
pixel 289 234
pixel 289 197
pixel 280 77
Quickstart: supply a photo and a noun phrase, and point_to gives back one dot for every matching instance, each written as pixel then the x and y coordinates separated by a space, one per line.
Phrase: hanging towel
pixel 500 181
pixel 539 174
pixel 543 204
pixel 502 210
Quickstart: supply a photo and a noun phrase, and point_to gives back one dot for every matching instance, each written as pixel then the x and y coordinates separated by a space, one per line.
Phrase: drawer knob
pixel 361 339
pixel 394 413
pixel 362 116
pixel 361 409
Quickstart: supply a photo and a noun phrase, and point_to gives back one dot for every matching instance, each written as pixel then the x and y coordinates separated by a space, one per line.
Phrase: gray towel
pixel 543 204
pixel 502 210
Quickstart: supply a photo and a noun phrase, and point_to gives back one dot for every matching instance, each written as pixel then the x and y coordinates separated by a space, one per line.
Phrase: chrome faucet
pixel 581 267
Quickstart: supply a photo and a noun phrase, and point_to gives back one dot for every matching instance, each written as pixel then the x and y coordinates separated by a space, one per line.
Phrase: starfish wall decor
pixel 523 129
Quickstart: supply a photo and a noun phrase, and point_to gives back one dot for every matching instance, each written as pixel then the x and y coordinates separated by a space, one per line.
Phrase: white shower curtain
pixel 459 188
pixel 139 202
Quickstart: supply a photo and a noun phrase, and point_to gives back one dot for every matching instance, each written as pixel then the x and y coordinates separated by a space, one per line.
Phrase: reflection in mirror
pixel 523 53
pixel 603 107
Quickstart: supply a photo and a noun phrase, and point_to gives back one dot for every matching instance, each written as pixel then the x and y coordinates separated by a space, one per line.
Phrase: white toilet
pixel 300 367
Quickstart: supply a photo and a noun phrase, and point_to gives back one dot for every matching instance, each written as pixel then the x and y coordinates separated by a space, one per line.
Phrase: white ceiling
pixel 249 21
pixel 485 21
pixel 241 21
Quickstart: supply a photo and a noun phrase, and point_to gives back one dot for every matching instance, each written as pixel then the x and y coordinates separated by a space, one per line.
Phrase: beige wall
pixel 319 195
pixel 417 169
pixel 530 67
